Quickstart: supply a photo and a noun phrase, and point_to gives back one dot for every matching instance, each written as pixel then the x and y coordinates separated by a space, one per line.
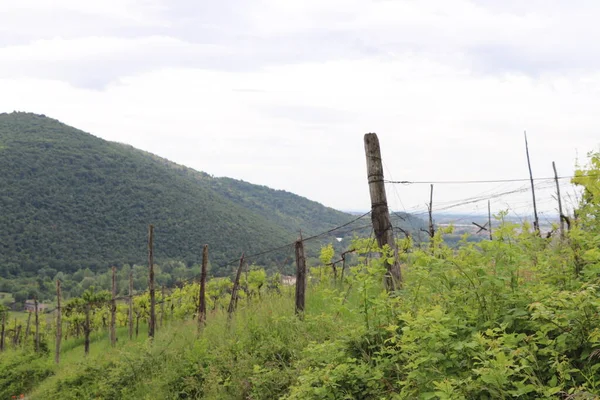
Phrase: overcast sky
pixel 280 93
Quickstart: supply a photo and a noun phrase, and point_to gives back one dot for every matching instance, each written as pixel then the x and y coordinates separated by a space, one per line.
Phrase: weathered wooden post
pixel 430 210
pixel 490 220
pixel 18 336
pixel 380 214
pixel 37 325
pixel 58 323
pixel 130 305
pixel 3 333
pixel 28 327
pixel 300 278
pixel 536 222
pixel 162 305
pixel 87 329
pixel 234 291
pixel 152 323
pixel 113 308
pixel 560 210
pixel 202 296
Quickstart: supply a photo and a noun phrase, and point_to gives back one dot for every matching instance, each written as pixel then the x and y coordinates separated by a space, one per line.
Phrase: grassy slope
pixel 259 335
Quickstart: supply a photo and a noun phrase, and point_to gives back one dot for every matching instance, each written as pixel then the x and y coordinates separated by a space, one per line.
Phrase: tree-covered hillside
pixel 70 200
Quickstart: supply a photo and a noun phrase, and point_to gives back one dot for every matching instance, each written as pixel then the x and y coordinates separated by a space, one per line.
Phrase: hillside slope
pixel 72 200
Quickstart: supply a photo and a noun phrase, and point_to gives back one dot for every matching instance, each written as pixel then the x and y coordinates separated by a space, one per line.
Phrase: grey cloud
pixel 243 48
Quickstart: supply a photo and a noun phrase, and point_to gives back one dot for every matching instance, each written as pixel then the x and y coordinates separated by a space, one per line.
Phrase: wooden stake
pixel 3 333
pixel 27 328
pixel 113 308
pixel 87 331
pixel 561 216
pixel 380 215
pixel 234 291
pixel 536 222
pixel 152 323
pixel 430 209
pixel 490 219
pixel 162 305
pixel 37 326
pixel 18 335
pixel 58 323
pixel 300 278
pixel 202 295
pixel 130 305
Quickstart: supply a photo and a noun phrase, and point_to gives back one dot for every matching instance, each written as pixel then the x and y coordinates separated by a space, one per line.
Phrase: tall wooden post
pixel 202 295
pixel 490 220
pixel 536 222
pixel 28 327
pixel 130 305
pixel 300 277
pixel 152 323
pixel 58 323
pixel 18 336
pixel 113 308
pixel 560 210
pixel 430 210
pixel 37 325
pixel 234 291
pixel 380 215
pixel 87 329
pixel 162 305
pixel 3 332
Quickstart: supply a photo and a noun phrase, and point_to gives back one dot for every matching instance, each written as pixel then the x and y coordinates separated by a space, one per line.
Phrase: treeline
pixel 169 274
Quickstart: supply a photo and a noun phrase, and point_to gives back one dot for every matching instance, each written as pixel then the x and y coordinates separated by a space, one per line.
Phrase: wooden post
pixel 18 335
pixel 28 327
pixel 490 220
pixel 58 323
pixel 536 222
pixel 37 326
pixel 430 209
pixel 560 210
pixel 113 308
pixel 202 296
pixel 152 323
pixel 87 330
pixel 234 291
pixel 162 305
pixel 3 333
pixel 380 215
pixel 300 278
pixel 130 305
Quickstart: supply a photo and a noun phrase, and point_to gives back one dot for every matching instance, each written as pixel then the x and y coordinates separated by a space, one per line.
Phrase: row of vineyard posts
pixel 381 226
pixel 86 305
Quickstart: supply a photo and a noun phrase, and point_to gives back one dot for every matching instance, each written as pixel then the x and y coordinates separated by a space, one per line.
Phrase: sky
pixel 280 93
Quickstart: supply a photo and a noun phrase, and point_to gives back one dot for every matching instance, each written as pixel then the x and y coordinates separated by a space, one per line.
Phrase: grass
pixel 253 354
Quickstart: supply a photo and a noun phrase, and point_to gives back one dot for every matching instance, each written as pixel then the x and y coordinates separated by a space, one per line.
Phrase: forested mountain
pixel 70 200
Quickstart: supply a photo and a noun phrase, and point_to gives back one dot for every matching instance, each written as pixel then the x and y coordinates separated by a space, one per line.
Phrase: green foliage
pixel 22 370
pixel 513 317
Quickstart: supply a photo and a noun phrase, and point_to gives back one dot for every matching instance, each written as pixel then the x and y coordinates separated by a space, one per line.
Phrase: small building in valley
pixel 30 306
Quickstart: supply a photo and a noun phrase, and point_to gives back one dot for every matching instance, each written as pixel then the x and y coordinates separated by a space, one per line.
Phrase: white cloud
pixel 280 93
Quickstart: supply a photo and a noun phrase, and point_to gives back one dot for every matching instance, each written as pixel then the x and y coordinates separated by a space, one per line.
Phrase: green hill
pixel 70 200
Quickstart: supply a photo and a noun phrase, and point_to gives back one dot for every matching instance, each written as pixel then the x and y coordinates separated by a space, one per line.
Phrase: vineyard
pixel 516 316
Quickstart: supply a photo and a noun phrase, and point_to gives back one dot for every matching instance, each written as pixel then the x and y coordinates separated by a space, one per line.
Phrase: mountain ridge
pixel 74 200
